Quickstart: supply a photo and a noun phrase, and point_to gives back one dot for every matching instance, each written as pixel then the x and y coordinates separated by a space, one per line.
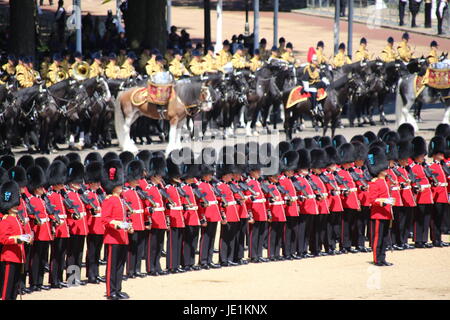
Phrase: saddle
pixel 297 95
pixel 159 90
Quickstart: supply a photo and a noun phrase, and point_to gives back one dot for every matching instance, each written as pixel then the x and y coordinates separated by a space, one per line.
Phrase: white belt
pixel 27 220
pixel 353 189
pixel 192 208
pixel 395 188
pixel 82 214
pixel 159 209
pixel 97 215
pixel 407 187
pixel 325 195
pixel 231 203
pixel 277 202
pixel 425 186
pixel 291 198
pixel 442 184
pixel 337 192
pixel 176 208
pixel 259 200
pixel 138 211
pixel 44 220
pixel 62 216
pixel 212 202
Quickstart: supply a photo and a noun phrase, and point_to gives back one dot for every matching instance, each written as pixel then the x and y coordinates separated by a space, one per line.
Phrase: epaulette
pixel 108 196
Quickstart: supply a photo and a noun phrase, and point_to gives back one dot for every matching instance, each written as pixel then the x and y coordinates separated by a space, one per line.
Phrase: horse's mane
pixel 188 92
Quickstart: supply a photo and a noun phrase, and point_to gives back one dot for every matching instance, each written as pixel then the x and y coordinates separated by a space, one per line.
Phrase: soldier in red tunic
pixel 56 179
pixel 381 204
pixel 42 227
pixel 436 150
pixel 117 227
pixel 12 237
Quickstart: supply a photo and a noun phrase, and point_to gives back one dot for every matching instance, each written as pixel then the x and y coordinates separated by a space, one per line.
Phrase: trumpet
pixel 61 75
pixel 80 71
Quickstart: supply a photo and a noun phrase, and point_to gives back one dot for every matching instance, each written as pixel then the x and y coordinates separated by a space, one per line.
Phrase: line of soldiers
pixel 299 199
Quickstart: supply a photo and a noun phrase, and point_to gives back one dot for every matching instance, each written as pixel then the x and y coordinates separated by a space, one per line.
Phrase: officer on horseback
pixel 341 58
pixel 112 70
pixel 362 53
pixel 404 50
pixel 311 82
pixel 433 55
pixel 321 59
pixel 388 54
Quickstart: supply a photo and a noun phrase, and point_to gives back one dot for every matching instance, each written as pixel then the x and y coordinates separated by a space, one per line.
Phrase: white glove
pixel 305 86
pixel 326 81
pixel 124 225
pixel 390 201
pixel 25 238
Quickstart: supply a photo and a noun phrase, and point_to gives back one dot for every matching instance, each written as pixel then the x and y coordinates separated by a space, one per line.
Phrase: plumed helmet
pixel 112 175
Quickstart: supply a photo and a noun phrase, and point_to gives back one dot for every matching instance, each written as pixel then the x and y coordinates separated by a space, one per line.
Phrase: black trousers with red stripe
pixel 275 237
pixel 256 239
pixel 347 219
pixel 240 241
pixel 335 226
pixel 174 244
pixel 324 232
pixel 422 217
pixel 304 230
pixel 75 250
pixel 58 259
pixel 399 234
pixel 208 234
pixel 190 243
pixel 290 237
pixel 359 226
pixel 380 238
pixel 437 218
pixel 227 243
pixel 10 279
pixel 135 252
pixel 117 255
pixel 446 221
pixel 314 234
pixel 23 278
pixel 154 246
pixel 94 246
pixel 39 257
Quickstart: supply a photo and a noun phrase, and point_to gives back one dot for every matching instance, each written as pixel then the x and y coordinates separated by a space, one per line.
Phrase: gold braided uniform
pixel 313 73
pixel 26 77
pixel 239 61
pixel 112 70
pixel 255 63
pixel 157 68
pixel 361 54
pixel 177 69
pixel 197 68
pixel 151 65
pixel 65 65
pixel 127 70
pixel 264 53
pixel 187 57
pixel 52 75
pixel 44 69
pixel 95 70
pixel 340 59
pixel 223 58
pixel 433 56
pixel 72 67
pixel 210 63
pixel 9 69
pixel 321 59
pixel 143 59
pixel 404 51
pixel 388 54
pixel 288 57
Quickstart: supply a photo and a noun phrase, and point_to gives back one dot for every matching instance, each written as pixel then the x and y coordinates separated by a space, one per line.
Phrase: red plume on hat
pixel 311 52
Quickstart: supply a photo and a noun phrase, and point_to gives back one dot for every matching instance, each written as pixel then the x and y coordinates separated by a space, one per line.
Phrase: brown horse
pixel 189 97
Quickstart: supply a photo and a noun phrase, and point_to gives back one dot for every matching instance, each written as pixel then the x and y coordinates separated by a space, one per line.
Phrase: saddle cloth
pixel 297 96
pixel 439 77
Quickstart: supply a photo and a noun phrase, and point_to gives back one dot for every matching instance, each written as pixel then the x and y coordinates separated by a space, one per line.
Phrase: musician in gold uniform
pixel 20 68
pixel 433 55
pixel 197 65
pixel 388 54
pixel 25 76
pixel 256 62
pixel 65 63
pixel 78 60
pixel 321 59
pixel 151 63
pixel 35 73
pixel 112 70
pixel 362 53
pixel 239 61
pixel 224 55
pixel 281 46
pixel 159 65
pixel 341 58
pixel 96 69
pixel 143 58
pixel 176 67
pixel 274 54
pixel 263 51
pixel 56 72
pixel 288 54
pixel 45 64
pixel 187 57
pixel 127 69
pixel 210 61
pixel 404 50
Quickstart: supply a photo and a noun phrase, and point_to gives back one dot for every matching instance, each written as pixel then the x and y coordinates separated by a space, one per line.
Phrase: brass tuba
pixel 80 71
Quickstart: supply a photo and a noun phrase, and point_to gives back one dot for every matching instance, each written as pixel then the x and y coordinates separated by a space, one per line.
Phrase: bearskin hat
pixel 419 146
pixel 126 157
pixel 406 131
pixel 378 143
pixel 7 161
pixel 26 161
pixel 111 155
pixel 289 160
pixel 9 196
pixel 93 171
pixel 319 159
pixel 63 159
pixel 376 161
pixel 157 166
pixel 391 151
pixel 370 136
pixel 173 165
pixel 135 170
pixel 304 159
pixel 338 140
pixel 443 130
pixel 391 136
pixel 42 162
pixel 325 141
pixel 404 149
pixel 332 155
pixel 73 157
pixel 93 157
pixel 112 175
pixel 57 173
pixel 297 144
pixel 382 132
pixel 35 178
pixel 359 138
pixel 19 175
pixel 311 143
pixel 360 150
pixel 346 153
pixel 145 156
pixel 447 149
pixel 75 172
pixel 437 145
pixel 283 147
pixel 3 175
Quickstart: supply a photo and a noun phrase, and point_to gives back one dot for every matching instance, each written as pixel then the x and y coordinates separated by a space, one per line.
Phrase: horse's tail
pixel 119 120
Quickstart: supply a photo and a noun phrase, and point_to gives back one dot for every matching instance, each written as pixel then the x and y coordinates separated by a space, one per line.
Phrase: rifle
pixel 145 196
pixel 399 174
pixel 129 211
pixel 235 189
pixel 356 177
pixel 413 179
pixel 285 192
pixel 201 195
pixel 21 217
pixel 31 209
pixel 244 187
pixel 101 195
pixel 167 197
pixel 445 168
pixel 327 180
pixel 430 174
pixel 299 187
pixel 391 179
pixel 71 206
pixel 51 209
pixel 340 180
pixel 316 188
pixel 268 190
pixel 183 194
pixel 222 197
pixel 86 200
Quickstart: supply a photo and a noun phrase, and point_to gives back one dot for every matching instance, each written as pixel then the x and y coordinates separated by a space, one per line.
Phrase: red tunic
pixel 363 195
pixel 56 199
pixel 23 208
pixel 350 201
pixel 11 251
pixel 211 212
pixel 191 217
pixel 276 206
pixel 291 208
pixel 406 193
pixel 157 214
pixel 113 209
pixel 440 191
pixel 308 205
pixel 95 224
pixel 425 196
pixel 394 186
pixel 41 232
pixel 77 227
pixel 322 205
pixel 135 203
pixel 334 193
pixel 175 212
pixel 378 188
pixel 241 207
pixel 256 204
pixel 143 184
pixel 230 208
